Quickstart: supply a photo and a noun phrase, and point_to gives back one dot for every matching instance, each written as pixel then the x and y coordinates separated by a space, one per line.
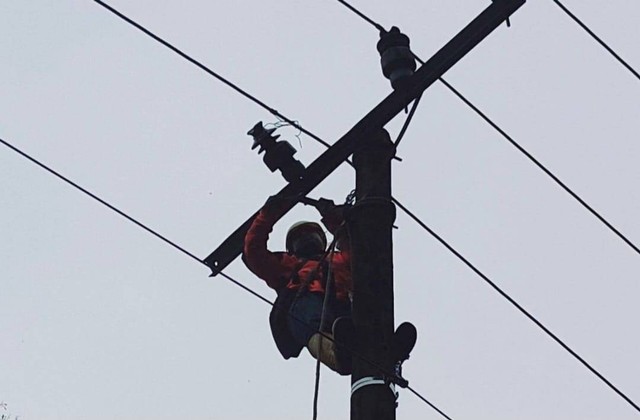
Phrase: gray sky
pixel 99 320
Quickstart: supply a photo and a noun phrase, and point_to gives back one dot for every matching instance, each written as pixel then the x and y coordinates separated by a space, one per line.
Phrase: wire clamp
pixel 371 380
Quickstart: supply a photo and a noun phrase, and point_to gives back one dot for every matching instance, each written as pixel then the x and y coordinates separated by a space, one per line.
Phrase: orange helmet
pixel 301 228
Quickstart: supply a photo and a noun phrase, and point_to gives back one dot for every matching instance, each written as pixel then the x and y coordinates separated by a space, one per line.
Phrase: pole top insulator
pixel 397 60
pixel 392 38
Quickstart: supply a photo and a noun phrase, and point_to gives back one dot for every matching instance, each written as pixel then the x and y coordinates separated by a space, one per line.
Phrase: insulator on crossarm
pixel 262 137
pixel 397 60
pixel 278 154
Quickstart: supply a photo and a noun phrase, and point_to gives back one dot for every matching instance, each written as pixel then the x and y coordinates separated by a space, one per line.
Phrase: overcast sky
pixel 100 320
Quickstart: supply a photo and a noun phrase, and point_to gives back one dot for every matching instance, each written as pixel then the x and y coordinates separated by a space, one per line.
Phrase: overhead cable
pixel 363 16
pixel 542 167
pixel 210 72
pixel 408 120
pixel 100 200
pixel 598 39
pixel 516 304
pixel 125 215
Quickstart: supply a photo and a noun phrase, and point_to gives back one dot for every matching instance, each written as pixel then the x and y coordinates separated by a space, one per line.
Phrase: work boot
pixel 323 349
pixel 344 334
pixel 404 339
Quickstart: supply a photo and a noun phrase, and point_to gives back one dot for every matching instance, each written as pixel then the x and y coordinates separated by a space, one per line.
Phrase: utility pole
pixel 370 224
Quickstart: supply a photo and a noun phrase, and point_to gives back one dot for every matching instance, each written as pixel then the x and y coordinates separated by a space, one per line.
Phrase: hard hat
pixel 300 228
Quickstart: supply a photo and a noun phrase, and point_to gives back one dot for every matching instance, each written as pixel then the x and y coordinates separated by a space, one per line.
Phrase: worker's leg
pixel 304 323
pixel 323 348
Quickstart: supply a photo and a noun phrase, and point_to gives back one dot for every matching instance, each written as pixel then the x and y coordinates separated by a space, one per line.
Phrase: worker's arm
pixel 272 267
pixel 333 218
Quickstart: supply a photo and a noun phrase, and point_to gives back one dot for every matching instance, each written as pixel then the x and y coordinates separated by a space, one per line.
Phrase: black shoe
pixel 404 339
pixel 344 334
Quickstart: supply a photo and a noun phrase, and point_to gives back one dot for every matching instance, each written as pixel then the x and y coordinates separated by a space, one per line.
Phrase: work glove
pixel 275 206
pixel 326 207
pixel 332 214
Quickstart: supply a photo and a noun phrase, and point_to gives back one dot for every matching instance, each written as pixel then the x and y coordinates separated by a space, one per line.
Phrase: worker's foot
pixel 344 334
pixel 404 339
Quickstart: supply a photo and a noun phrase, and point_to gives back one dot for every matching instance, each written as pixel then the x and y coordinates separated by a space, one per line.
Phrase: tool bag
pixel 278 321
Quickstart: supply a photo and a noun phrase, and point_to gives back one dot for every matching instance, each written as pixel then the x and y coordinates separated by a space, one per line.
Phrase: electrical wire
pixel 516 304
pixel 363 16
pixel 125 215
pixel 598 39
pixel 408 120
pixel 417 394
pixel 210 72
pixel 543 168
pixel 237 283
pixel 175 245
pixel 100 200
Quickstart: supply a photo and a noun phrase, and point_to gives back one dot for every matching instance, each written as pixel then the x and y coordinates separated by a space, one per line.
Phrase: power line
pixel 597 38
pixel 126 216
pixel 417 394
pixel 542 167
pixel 100 200
pixel 256 294
pixel 210 72
pixel 363 16
pixel 516 304
pixel 408 120
pixel 181 249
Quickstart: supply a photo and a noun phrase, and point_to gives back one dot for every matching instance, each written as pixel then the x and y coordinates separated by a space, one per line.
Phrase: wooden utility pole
pixel 370 223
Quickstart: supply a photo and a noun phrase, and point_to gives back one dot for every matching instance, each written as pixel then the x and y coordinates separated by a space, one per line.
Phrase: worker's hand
pixel 276 205
pixel 325 207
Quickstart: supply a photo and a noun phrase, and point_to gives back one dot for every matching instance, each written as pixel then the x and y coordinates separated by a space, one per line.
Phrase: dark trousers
pixel 306 314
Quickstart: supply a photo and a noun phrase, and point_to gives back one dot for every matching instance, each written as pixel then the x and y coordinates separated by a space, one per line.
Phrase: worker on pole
pixel 301 275
pixel 314 286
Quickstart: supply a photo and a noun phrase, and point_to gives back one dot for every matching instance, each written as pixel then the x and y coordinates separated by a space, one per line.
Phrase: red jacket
pixel 277 268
